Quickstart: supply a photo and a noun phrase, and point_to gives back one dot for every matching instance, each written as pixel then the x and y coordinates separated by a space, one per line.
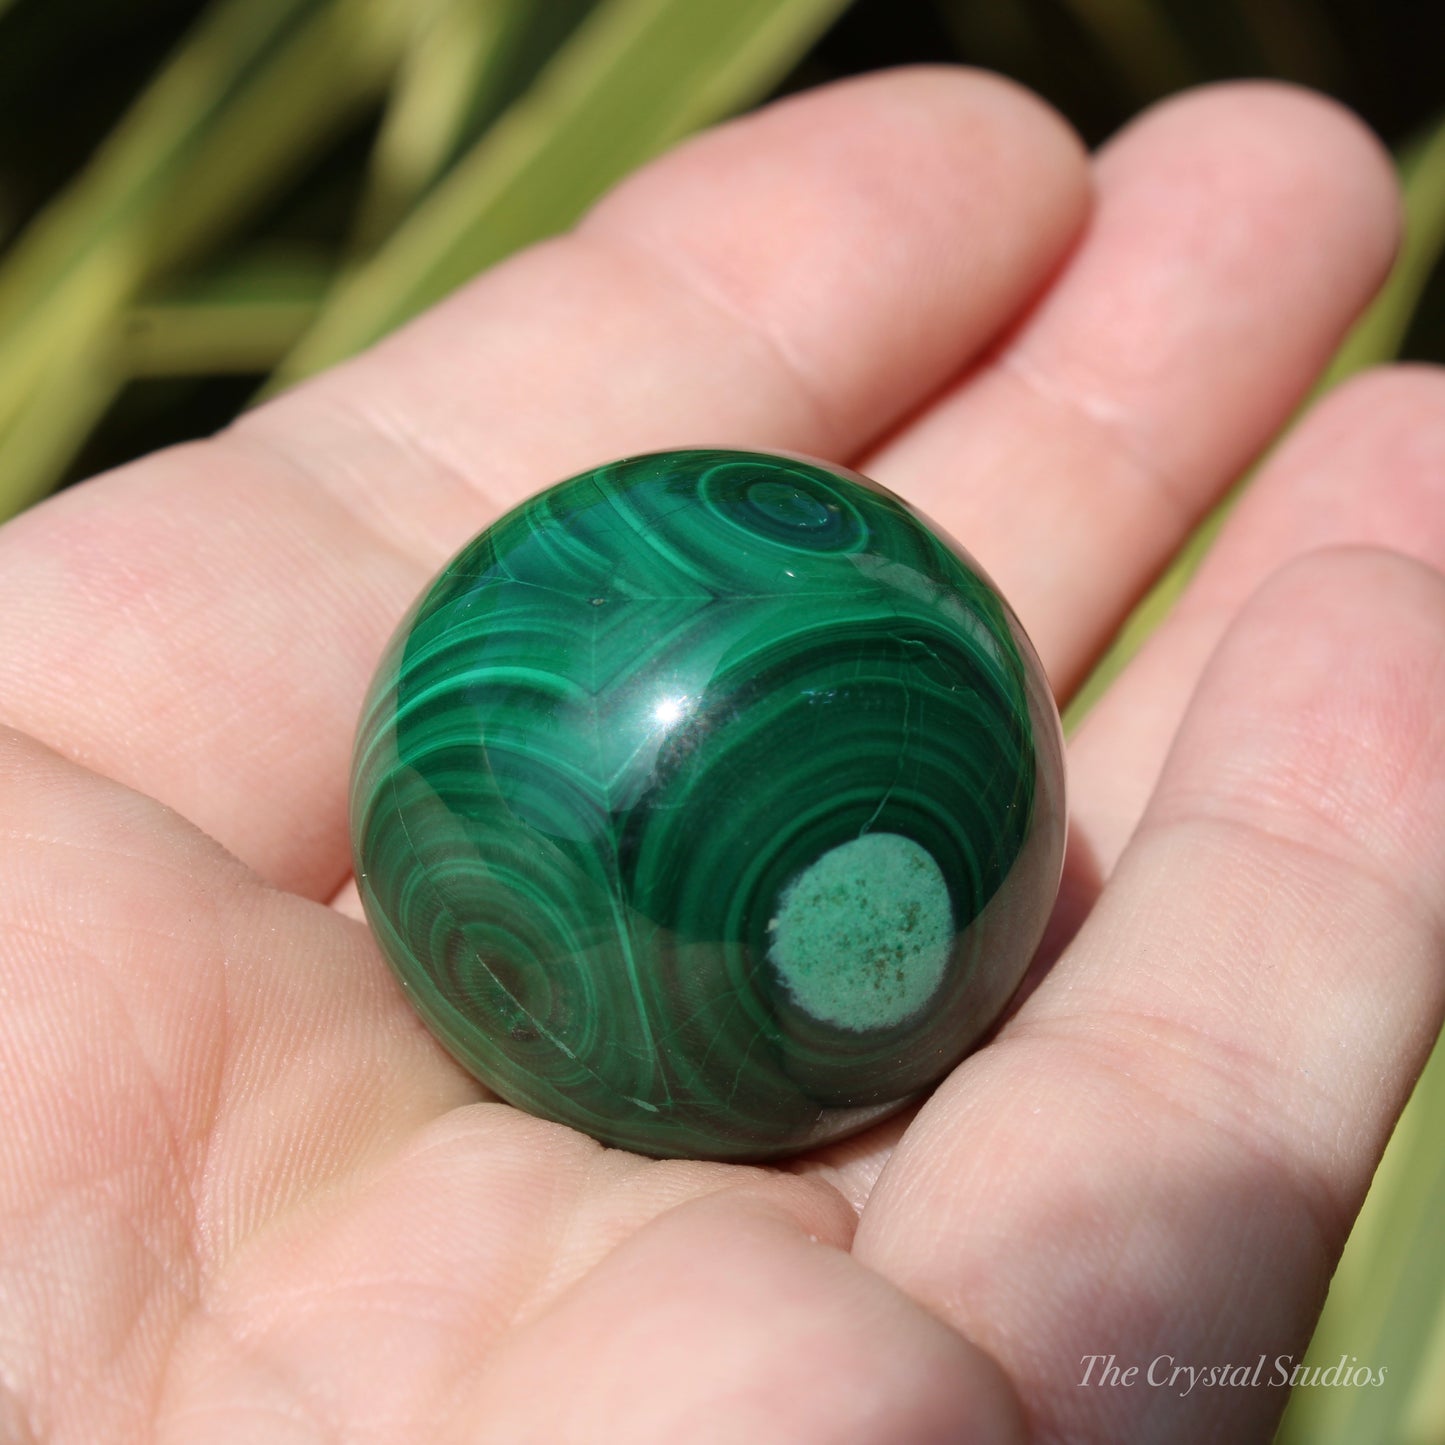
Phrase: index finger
pixel 202 625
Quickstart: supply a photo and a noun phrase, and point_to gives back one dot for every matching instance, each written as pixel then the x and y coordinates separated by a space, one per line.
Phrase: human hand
pixel 246 1197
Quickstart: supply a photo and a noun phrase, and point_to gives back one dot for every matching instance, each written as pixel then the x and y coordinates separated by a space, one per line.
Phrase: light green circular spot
pixel 862 937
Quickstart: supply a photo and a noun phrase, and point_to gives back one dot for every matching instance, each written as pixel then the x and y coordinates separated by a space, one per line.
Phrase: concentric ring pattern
pixel 711 802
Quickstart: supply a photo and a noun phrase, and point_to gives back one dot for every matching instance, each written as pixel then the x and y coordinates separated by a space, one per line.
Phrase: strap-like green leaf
pixel 456 59
pixel 254 92
pixel 636 75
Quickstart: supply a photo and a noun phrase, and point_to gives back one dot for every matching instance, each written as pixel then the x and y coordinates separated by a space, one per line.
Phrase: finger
pixel 1161 1155
pixel 1366 466
pixel 202 625
pixel 1238 231
pixel 723 1322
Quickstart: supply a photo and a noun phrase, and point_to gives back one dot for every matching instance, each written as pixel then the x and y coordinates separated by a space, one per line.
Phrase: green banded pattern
pixel 710 802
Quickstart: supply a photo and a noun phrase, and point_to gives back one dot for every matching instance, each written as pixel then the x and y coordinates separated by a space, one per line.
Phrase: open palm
pixel 245 1197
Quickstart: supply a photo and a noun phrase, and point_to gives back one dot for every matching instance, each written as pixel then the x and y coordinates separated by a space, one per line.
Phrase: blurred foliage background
pixel 204 199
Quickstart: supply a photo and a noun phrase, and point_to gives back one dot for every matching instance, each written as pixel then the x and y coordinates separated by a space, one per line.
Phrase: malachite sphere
pixel 711 802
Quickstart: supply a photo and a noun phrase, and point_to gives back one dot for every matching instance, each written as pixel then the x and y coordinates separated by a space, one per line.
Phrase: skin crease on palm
pixel 245 1197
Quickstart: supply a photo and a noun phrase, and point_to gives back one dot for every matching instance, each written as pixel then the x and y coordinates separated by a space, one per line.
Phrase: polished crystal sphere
pixel 710 802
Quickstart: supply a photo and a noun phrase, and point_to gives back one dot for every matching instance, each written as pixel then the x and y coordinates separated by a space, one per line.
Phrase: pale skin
pixel 243 1194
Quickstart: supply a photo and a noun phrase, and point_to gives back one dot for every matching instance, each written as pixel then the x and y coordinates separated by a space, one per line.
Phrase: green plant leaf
pixel 455 58
pixel 330 70
pixel 242 319
pixel 1385 1301
pixel 635 76
pixel 1424 1422
pixel 44 435
pixel 248 99
pixel 67 272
